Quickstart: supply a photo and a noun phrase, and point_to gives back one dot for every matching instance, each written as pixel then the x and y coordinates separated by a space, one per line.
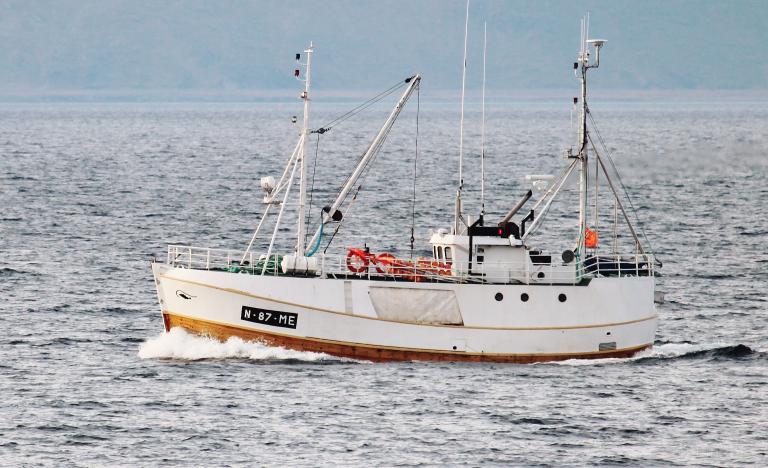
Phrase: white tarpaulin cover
pixel 416 305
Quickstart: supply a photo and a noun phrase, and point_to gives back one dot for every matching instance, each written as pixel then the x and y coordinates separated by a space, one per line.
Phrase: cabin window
pixel 434 252
pixel 448 253
pixel 480 255
pixel 439 252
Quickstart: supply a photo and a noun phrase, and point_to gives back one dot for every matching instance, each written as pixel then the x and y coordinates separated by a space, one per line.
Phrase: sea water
pixel 90 193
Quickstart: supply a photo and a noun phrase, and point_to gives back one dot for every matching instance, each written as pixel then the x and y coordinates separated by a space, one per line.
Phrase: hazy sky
pixel 140 45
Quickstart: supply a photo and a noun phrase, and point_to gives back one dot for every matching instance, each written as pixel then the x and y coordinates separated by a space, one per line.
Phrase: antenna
pixel 302 152
pixel 463 87
pixel 482 129
pixel 586 28
pixel 582 39
pixel 457 209
pixel 580 68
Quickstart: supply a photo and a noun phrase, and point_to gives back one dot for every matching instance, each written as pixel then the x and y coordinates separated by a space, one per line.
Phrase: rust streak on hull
pixel 349 350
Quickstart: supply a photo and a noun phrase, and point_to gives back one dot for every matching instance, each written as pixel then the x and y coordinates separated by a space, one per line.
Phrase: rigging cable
pixel 347 115
pixel 319 238
pixel 363 177
pixel 415 160
pixel 356 110
pixel 312 186
pixel 338 226
pixel 373 148
pixel 621 182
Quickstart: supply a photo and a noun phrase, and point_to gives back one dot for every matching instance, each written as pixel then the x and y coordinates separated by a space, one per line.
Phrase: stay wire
pixel 327 127
pixel 363 177
pixel 312 186
pixel 415 161
pixel 356 110
pixel 375 149
pixel 366 169
pixel 618 176
pixel 338 226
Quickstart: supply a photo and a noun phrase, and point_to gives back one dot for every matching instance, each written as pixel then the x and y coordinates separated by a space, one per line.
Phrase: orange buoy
pixel 434 267
pixel 590 238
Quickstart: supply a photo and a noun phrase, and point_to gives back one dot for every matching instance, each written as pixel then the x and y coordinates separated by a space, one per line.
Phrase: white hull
pixel 484 295
pixel 608 317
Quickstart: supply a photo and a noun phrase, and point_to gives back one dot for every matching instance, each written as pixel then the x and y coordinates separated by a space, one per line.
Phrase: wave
pixel 674 351
pixel 181 345
pixel 692 351
pixel 11 272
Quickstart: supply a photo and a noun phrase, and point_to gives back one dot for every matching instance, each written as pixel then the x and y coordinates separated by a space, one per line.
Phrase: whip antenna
pixel 482 130
pixel 457 209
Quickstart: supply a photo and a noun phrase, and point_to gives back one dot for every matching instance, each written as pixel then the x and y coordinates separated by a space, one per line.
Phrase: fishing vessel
pixel 485 293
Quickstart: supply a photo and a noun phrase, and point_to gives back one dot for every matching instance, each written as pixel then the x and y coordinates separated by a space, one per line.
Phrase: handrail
pixel 421 269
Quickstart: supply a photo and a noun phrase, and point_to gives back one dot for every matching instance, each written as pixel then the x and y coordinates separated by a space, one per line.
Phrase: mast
pixel 457 208
pixel 580 157
pixel 583 156
pixel 302 228
pixel 582 67
pixel 482 130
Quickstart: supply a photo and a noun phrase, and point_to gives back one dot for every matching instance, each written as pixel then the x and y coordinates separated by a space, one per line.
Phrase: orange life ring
pixel 384 263
pixel 357 260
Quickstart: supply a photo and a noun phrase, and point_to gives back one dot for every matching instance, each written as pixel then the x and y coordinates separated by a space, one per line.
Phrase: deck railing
pixel 417 270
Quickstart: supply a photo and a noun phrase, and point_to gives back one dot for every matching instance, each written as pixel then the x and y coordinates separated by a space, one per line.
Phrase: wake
pixel 675 351
pixel 182 345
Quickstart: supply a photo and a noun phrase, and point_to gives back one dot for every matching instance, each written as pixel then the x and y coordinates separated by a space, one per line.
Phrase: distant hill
pixel 141 45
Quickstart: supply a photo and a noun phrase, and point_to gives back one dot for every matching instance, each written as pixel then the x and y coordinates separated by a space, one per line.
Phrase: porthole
pixel 540 275
pixel 562 297
pixel 499 296
pixel 524 297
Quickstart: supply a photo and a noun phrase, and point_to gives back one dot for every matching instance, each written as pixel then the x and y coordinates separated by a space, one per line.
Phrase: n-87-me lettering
pixel 269 317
